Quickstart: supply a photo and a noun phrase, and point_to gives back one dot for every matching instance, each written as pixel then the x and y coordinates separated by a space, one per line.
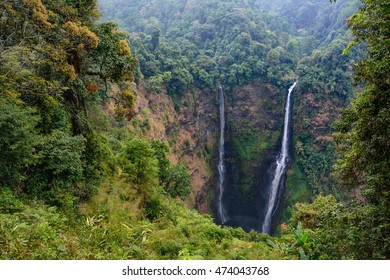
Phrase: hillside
pixel 255 56
pixel 78 180
pixel 110 143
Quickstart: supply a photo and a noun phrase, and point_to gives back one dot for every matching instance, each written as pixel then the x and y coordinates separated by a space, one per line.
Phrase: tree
pixel 155 39
pixel 178 181
pixel 59 168
pixel 161 151
pixel 18 142
pixel 139 161
pixel 55 60
pixel 364 129
pixel 112 59
pixel 365 126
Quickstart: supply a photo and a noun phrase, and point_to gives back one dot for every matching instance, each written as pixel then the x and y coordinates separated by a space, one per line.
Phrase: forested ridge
pixel 83 175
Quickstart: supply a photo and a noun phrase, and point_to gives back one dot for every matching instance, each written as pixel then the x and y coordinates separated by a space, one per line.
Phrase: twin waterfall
pixel 281 164
pixel 274 190
pixel 221 162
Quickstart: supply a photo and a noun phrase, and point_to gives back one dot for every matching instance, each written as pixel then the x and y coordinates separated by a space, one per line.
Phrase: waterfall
pixel 281 164
pixel 221 163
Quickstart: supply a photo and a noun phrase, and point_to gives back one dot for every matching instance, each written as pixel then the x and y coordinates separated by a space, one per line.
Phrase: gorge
pixel 161 129
pixel 253 208
pixel 254 49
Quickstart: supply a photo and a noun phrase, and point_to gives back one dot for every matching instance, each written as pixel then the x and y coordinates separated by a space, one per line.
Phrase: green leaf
pixel 302 254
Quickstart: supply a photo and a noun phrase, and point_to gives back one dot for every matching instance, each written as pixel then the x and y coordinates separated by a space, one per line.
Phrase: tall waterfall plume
pixel 281 164
pixel 221 162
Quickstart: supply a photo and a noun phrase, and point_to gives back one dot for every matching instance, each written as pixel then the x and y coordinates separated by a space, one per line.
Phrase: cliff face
pixel 254 115
pixel 198 129
pixel 190 131
pixel 314 146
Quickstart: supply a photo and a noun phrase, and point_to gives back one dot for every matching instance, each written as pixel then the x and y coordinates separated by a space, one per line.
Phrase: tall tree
pixel 55 59
pixel 364 137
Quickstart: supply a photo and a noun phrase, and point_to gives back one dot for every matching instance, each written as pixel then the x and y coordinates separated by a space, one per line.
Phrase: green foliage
pixel 53 62
pixel 211 42
pixel 153 208
pixel 317 166
pixel 178 181
pixel 248 147
pixel 35 233
pixel 18 141
pixel 318 20
pixel 58 169
pixel 363 137
pixel 146 163
pixel 364 127
pixel 297 189
pixel 112 58
pixel 106 231
pixel 327 72
pixel 139 163
pixel 161 152
pixel 297 242
pixel 9 203
pixel 62 156
pixel 340 232
pixel 55 70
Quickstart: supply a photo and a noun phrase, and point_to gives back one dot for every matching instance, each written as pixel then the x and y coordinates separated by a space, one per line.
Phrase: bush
pixel 178 181
pixel 18 141
pixel 139 162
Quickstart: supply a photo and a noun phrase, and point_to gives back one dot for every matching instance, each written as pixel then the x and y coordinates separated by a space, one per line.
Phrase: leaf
pixel 130 230
pixel 272 244
pixel 303 239
pixel 302 254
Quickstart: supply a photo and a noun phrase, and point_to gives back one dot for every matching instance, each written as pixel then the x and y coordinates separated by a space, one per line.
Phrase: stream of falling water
pixel 221 162
pixel 281 164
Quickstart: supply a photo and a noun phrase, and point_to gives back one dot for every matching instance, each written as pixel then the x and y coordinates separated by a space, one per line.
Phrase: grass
pixel 113 225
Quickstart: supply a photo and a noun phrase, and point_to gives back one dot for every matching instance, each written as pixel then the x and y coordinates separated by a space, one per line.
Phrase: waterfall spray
pixel 281 164
pixel 221 163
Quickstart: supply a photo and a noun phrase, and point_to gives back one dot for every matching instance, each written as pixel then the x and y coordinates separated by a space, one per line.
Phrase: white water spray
pixel 281 164
pixel 221 163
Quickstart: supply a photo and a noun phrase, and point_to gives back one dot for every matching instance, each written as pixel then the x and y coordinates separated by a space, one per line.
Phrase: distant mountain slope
pixel 204 43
